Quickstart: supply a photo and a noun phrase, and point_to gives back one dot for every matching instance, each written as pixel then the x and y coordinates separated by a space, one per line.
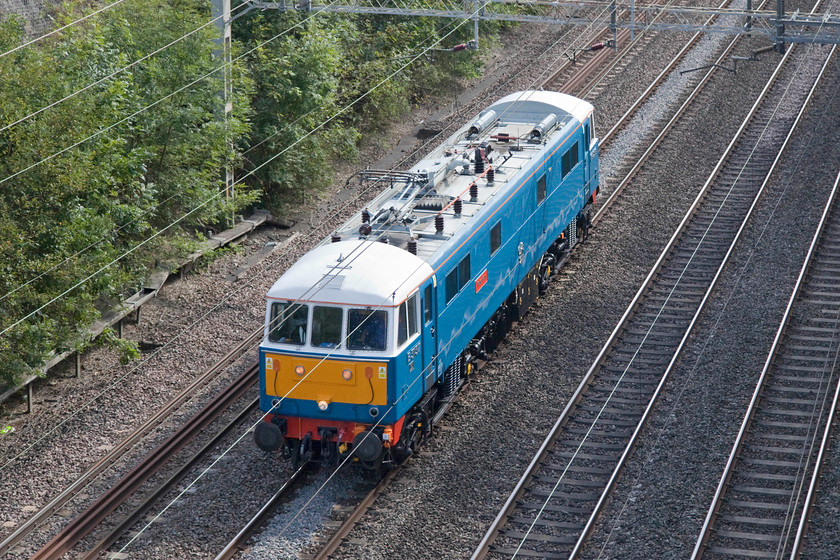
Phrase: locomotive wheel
pixel 373 470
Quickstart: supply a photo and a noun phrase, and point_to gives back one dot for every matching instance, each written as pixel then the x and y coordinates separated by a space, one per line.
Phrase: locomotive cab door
pixel 590 158
pixel 587 139
pixel 430 344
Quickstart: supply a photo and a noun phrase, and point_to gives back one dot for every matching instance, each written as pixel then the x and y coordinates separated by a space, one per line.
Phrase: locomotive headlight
pixel 322 405
pixel 299 370
pixel 347 374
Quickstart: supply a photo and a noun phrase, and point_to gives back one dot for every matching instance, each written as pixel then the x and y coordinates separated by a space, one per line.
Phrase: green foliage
pixel 329 83
pixel 128 350
pixel 109 181
pixel 86 183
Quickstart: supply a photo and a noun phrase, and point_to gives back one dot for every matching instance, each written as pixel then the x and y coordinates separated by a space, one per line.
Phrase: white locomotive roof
pixel 415 210
pixel 514 131
pixel 354 273
pixel 537 104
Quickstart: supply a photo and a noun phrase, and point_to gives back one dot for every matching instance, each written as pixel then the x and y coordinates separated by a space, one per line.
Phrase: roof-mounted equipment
pixel 544 126
pixel 485 119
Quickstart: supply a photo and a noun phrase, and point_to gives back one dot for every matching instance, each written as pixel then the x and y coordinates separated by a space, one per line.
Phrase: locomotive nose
pixel 268 436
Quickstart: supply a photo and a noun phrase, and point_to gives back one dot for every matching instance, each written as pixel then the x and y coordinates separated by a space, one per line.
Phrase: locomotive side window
pixel 326 327
pixel 457 278
pixel 541 189
pixel 570 159
pixel 366 329
pixel 427 304
pixel 289 322
pixel 451 284
pixel 407 322
pixel 464 272
pixel 496 237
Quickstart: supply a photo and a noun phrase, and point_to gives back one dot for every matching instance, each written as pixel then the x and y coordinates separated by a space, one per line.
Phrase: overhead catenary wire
pixel 62 28
pixel 238 181
pixel 114 73
pixel 69 416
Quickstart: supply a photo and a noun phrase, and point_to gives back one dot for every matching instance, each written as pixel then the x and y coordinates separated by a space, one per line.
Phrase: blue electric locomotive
pixel 368 333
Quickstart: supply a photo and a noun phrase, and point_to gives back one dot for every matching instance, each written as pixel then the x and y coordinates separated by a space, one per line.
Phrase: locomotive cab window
pixel 289 323
pixel 366 329
pixel 326 327
pixel 407 321
pixel 496 237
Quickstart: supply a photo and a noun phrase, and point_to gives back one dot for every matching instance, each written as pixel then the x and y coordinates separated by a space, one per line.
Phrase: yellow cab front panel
pixel 318 379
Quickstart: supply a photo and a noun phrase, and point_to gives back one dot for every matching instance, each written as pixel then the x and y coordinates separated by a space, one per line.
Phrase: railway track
pixel 84 523
pixel 237 544
pixel 88 520
pixel 593 67
pixel 762 503
pixel 555 504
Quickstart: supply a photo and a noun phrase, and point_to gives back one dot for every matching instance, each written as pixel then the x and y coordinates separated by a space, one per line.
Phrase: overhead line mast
pixel 775 24
pixel 222 53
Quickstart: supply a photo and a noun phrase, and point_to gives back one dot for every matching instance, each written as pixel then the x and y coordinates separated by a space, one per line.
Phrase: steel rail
pixel 641 160
pixel 774 349
pixel 347 525
pixel 499 522
pixel 812 487
pixel 123 447
pixel 115 533
pixel 236 544
pixel 85 522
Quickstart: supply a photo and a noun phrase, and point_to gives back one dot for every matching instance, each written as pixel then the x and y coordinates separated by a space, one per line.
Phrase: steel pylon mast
pixel 779 27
